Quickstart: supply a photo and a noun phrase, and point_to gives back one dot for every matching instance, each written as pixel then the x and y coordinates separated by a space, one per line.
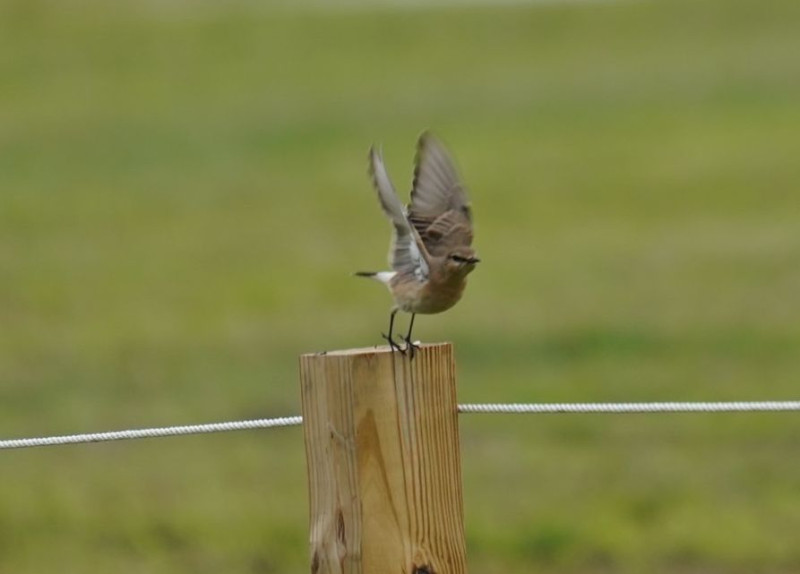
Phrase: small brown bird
pixel 430 254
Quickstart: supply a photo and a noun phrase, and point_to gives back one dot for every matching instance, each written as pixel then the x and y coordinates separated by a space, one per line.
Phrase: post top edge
pixel 375 350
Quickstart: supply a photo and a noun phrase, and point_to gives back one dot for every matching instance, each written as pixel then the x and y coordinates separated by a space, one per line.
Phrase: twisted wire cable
pixel 488 408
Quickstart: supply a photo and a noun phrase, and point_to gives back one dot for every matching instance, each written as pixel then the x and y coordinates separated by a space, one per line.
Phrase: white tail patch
pixel 384 276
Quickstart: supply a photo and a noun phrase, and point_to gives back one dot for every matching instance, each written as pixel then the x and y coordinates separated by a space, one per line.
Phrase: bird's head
pixel 461 261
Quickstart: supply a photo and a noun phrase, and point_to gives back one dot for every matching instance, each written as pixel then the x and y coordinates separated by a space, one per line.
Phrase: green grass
pixel 183 197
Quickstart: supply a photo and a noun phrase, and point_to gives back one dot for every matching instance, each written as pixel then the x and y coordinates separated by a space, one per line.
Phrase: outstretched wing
pixel 407 253
pixel 439 209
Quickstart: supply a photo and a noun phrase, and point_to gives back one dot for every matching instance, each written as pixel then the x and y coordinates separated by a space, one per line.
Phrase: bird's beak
pixel 473 260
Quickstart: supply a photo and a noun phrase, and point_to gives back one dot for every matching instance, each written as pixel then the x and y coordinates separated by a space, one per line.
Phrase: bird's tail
pixel 383 276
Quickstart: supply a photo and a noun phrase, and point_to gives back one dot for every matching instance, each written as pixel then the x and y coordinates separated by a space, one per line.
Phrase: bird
pixel 431 252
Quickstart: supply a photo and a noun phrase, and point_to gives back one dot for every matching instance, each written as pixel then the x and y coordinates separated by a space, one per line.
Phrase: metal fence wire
pixel 489 408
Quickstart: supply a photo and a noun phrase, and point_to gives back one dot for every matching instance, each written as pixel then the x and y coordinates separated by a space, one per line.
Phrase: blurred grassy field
pixel 183 197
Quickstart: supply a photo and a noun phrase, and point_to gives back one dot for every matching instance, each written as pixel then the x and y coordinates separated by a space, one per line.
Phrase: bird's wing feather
pixel 407 252
pixel 439 209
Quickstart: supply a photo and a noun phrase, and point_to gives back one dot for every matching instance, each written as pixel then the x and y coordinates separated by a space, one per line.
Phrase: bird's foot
pixel 411 347
pixel 393 344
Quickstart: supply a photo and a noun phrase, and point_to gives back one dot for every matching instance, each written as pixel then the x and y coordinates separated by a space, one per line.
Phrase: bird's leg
pixel 410 346
pixel 394 346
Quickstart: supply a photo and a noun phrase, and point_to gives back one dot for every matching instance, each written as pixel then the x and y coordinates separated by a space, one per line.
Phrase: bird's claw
pixel 411 347
pixel 393 344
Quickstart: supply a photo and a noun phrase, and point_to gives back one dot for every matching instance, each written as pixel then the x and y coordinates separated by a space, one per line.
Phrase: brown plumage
pixel 431 251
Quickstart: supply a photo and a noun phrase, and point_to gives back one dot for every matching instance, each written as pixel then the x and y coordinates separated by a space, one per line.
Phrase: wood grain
pixel 381 435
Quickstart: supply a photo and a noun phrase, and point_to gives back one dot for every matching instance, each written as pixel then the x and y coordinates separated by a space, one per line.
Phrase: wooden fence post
pixel 384 467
